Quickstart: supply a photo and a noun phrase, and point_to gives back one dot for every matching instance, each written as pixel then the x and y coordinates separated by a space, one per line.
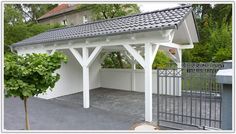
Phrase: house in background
pixel 66 14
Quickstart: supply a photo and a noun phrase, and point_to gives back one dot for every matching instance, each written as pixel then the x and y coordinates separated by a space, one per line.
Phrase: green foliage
pixel 32 74
pixel 161 60
pixel 107 11
pixel 11 15
pixel 111 61
pixel 16 28
pixel 31 12
pixel 215 30
pixel 222 54
pixel 18 32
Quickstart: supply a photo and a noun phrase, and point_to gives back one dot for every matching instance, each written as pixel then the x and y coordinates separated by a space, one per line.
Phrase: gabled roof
pixel 156 20
pixel 60 9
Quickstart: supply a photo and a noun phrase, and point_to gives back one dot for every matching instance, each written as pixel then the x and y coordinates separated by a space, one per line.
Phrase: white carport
pixel 139 42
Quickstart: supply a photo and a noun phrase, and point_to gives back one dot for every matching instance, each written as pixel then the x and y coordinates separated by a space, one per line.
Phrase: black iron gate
pixel 189 95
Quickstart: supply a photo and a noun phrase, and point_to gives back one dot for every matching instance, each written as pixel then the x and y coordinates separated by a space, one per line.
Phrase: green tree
pixel 30 75
pixel 31 12
pixel 161 60
pixel 108 11
pixel 16 29
pixel 214 25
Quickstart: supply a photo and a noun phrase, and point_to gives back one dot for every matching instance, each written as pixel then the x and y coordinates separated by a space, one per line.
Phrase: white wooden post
pixel 85 78
pixel 148 82
pixel 179 65
pixel 147 65
pixel 133 76
pixel 85 61
pixel 133 69
pixel 179 62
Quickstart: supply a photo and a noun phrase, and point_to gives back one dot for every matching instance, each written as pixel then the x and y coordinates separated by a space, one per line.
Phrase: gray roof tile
pixel 156 20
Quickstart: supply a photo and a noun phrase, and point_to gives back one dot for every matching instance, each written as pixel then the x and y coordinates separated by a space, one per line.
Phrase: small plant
pixel 30 75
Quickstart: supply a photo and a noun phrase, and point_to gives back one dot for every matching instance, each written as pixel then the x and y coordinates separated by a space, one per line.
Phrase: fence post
pixel 227 107
pixel 224 77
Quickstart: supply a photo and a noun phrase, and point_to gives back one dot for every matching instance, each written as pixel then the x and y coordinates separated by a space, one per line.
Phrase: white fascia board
pixel 140 38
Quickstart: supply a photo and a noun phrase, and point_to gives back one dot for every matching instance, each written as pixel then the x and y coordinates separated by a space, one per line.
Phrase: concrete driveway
pixel 110 109
pixel 54 115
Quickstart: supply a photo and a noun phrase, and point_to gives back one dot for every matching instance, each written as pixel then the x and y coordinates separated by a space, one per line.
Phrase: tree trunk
pixel 26 114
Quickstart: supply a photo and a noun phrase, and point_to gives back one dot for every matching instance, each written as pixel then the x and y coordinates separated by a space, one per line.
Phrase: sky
pixel 152 6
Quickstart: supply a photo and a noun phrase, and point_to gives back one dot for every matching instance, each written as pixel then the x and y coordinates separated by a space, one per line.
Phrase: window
pixel 64 22
pixel 85 19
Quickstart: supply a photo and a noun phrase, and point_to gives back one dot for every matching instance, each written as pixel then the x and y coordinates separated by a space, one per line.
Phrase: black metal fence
pixel 189 95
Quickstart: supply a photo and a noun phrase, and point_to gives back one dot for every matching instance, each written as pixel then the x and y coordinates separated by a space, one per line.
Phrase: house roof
pixel 60 9
pixel 156 20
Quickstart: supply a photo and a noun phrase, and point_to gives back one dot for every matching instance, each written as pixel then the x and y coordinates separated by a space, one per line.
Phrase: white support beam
pixel 174 45
pixel 171 36
pixel 82 60
pixel 148 82
pixel 50 52
pixel 186 46
pixel 93 56
pixel 86 87
pixel 133 88
pixel 85 61
pixel 154 52
pixel 179 62
pixel 77 56
pixel 188 33
pixel 129 58
pixel 53 51
pixel 173 57
pixel 179 65
pixel 135 54
pixel 85 78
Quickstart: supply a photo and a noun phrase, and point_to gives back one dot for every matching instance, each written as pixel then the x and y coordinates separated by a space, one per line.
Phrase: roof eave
pixel 113 34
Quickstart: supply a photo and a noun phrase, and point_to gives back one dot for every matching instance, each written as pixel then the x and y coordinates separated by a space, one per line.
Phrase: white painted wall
pixel 121 79
pixel 71 76
pixel 70 79
pixel 116 78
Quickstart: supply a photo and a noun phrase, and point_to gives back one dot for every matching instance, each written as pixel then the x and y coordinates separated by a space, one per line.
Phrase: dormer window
pixel 64 22
pixel 85 19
